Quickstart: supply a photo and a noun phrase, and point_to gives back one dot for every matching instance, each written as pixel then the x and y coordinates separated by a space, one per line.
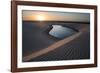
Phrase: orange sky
pixel 54 16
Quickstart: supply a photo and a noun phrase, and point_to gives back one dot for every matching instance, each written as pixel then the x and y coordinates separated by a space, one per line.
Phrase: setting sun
pixel 29 15
pixel 40 17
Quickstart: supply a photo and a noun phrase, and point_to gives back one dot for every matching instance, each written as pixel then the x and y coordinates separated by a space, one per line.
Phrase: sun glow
pixel 40 17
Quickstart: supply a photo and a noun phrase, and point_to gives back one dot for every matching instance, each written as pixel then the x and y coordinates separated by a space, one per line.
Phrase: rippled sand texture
pixel 38 45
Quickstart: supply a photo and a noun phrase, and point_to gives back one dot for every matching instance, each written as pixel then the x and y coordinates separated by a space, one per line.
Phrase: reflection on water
pixel 61 32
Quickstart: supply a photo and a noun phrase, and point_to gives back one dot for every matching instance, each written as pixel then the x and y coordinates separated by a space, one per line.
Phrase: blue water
pixel 60 32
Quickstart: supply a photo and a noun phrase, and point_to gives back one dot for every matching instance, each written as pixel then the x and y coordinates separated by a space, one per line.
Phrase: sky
pixel 31 15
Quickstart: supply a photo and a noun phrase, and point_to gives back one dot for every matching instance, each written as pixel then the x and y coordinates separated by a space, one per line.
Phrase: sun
pixel 40 17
